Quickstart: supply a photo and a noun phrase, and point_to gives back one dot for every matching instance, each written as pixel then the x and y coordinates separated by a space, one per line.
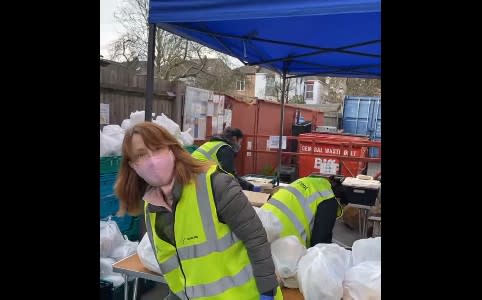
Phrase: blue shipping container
pixel 373 151
pixel 363 116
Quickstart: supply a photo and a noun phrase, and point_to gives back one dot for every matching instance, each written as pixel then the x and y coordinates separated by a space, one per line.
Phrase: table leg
pixel 136 282
pixel 359 221
pixel 126 287
pixel 365 223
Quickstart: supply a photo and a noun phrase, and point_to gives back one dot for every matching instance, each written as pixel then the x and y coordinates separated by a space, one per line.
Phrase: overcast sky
pixel 109 29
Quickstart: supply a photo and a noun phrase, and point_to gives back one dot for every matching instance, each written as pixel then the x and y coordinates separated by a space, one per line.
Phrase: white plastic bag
pixel 106 272
pixel 109 145
pixel 171 126
pixel 321 272
pixel 112 130
pixel 168 124
pixel 110 237
pixel 104 147
pixel 117 134
pixel 286 254
pixel 124 249
pixel 187 138
pixel 366 250
pixel 137 117
pixel 271 224
pixel 363 282
pixel 116 279
pixel 106 266
pixel 126 124
pixel 146 255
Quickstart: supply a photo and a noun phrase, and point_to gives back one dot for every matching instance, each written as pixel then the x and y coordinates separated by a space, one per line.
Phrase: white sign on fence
pixel 104 113
pixel 195 111
pixel 274 142
pixel 227 117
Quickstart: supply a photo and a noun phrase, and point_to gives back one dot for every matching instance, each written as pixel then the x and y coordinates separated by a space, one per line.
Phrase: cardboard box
pixel 261 184
pixel 291 294
pixel 266 188
pixel 256 198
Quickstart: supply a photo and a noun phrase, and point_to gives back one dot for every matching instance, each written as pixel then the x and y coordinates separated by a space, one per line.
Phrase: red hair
pixel 129 187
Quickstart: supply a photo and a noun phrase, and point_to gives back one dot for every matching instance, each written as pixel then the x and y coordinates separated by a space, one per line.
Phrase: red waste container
pixel 330 144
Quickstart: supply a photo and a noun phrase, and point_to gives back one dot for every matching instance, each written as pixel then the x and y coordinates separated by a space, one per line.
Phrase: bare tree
pixel 336 89
pixel 298 99
pixel 171 50
pixel 363 87
pixel 132 15
pixel 279 88
pixel 125 48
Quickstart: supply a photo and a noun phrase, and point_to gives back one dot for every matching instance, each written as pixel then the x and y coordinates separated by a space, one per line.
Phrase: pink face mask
pixel 156 170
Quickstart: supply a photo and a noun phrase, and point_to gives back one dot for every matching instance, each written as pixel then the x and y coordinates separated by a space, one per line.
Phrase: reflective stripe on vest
pixel 299 227
pixel 210 245
pixel 305 203
pixel 210 154
pixel 169 265
pixel 203 153
pixel 221 285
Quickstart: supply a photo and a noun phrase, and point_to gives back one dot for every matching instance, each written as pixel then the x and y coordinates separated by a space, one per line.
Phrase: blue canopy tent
pixel 338 38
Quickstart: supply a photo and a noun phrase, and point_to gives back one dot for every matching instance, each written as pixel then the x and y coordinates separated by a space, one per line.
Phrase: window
pixel 240 85
pixel 309 91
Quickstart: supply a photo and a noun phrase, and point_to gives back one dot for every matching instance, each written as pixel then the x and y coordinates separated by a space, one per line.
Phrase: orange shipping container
pixel 262 118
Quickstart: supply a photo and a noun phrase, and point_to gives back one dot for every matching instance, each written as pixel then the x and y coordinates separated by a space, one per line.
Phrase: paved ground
pixel 343 235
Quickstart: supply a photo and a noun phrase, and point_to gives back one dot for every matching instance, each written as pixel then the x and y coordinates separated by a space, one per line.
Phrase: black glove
pixel 245 185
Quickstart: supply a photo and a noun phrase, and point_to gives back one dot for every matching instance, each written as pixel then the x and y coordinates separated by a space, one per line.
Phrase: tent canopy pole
pixel 280 142
pixel 150 71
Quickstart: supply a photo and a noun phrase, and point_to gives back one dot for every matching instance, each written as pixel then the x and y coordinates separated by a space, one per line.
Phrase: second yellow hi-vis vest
pixel 208 151
pixel 208 261
pixel 295 206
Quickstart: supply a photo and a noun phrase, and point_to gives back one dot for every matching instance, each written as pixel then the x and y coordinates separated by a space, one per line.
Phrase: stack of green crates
pixel 110 164
pixel 109 204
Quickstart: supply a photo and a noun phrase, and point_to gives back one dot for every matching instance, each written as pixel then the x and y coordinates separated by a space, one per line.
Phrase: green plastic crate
pixel 110 164
pixel 133 233
pixel 191 148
